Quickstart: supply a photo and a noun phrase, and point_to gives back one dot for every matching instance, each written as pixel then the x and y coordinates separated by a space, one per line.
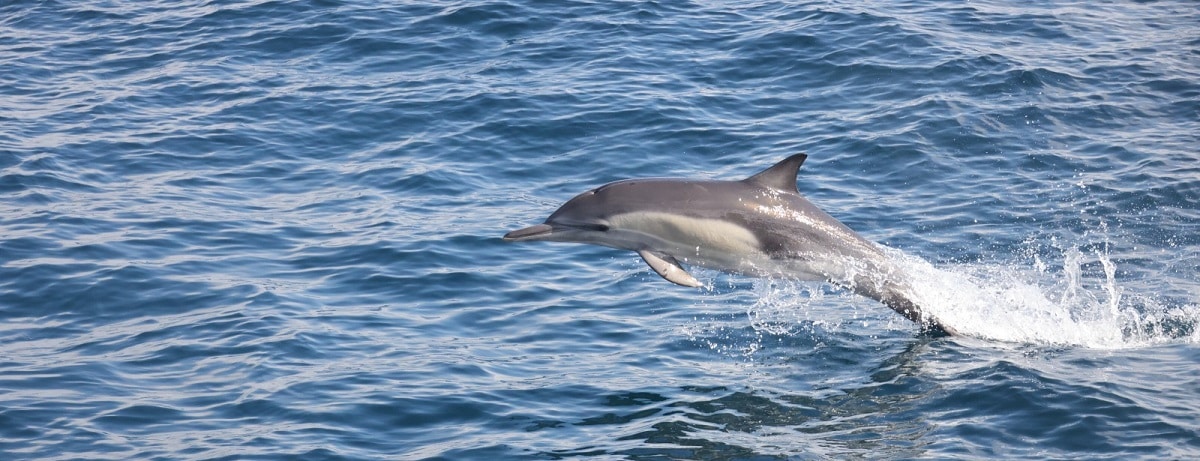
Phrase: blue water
pixel 271 230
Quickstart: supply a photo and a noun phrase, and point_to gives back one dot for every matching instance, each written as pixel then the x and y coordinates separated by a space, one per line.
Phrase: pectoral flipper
pixel 669 268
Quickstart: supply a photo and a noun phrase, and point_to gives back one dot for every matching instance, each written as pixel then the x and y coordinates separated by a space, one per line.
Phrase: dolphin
pixel 759 226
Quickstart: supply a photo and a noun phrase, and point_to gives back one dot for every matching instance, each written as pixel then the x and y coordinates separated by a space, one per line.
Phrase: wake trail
pixel 1068 304
pixel 1065 297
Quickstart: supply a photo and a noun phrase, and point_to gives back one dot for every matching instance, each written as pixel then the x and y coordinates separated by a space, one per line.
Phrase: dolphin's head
pixel 583 219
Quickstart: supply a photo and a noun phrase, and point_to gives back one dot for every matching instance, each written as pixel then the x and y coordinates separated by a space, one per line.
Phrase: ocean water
pixel 271 229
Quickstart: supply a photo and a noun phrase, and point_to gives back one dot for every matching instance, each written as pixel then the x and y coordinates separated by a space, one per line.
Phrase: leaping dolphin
pixel 759 226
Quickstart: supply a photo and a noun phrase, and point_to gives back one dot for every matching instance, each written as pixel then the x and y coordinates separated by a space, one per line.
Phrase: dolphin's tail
pixel 893 295
pixel 928 323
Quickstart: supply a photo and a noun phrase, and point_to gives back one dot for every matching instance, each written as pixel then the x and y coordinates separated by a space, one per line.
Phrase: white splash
pixel 1068 296
pixel 1032 302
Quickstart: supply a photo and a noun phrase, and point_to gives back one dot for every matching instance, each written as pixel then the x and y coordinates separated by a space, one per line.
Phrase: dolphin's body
pixel 759 226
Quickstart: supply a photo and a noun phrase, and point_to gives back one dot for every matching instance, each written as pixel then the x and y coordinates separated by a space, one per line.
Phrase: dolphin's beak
pixel 537 232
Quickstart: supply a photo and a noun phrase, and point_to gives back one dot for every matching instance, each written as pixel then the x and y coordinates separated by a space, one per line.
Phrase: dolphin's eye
pixel 597 227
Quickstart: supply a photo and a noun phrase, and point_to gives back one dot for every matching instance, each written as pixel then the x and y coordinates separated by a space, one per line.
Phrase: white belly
pixel 712 243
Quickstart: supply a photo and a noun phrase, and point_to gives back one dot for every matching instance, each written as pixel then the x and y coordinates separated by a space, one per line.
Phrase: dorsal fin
pixel 781 176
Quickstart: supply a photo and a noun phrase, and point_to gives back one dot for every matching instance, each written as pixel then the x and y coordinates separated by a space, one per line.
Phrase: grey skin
pixel 759 226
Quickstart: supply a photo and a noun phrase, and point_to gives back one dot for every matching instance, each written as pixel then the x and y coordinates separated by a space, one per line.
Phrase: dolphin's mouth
pixel 529 233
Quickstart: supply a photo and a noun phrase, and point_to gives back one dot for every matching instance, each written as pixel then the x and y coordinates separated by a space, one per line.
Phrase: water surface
pixel 270 229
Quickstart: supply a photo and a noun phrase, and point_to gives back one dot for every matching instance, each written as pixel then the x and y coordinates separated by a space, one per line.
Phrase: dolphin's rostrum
pixel 759 226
